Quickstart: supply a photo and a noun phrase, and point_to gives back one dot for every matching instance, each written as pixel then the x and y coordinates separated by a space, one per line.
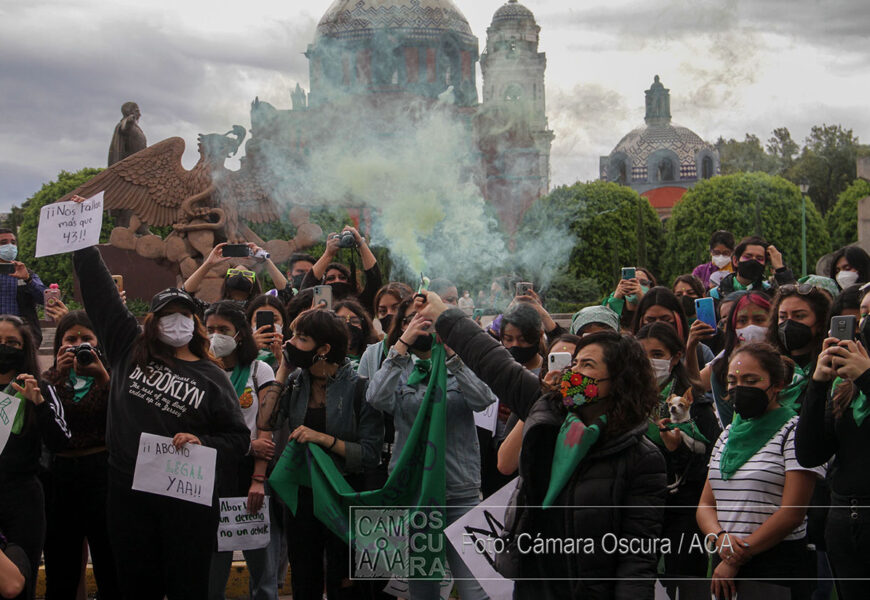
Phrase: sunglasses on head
pixel 801 288
pixel 250 275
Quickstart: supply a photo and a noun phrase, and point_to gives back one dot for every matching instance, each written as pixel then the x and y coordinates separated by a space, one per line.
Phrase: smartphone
pixel 7 268
pixel 322 297
pixel 557 361
pixel 119 282
pixel 843 328
pixel 523 288
pixel 629 272
pixel 236 251
pixel 265 317
pixel 705 311
pixel 51 296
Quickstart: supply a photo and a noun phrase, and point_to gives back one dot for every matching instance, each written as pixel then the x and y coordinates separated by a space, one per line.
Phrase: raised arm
pixel 215 257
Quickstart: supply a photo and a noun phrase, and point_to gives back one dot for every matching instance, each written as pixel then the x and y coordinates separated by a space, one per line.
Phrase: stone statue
pixel 128 137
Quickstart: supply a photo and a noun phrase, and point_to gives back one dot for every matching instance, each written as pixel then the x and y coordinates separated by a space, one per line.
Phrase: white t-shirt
pixel 754 491
pixel 248 401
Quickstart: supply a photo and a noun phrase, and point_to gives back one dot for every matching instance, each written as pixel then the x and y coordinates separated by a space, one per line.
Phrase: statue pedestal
pixel 143 277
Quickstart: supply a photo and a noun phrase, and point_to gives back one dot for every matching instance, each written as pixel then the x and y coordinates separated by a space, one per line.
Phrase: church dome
pixel 512 11
pixel 423 19
pixel 640 143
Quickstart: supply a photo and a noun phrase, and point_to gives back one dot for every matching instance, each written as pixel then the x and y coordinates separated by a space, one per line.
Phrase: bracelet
pixel 258 478
pixel 403 342
pixel 334 440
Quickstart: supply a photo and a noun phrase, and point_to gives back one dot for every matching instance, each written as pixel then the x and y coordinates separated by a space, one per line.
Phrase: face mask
pixel 794 335
pixel 749 402
pixel 662 369
pixel 11 358
pixel 9 252
pixel 240 283
pixel 175 329
pixel 578 389
pixel 523 354
pixel 299 358
pixel 750 269
pixel 386 322
pixel 423 343
pixel 340 289
pixel 632 298
pixel 297 281
pixel 846 278
pixel 720 261
pixel 688 305
pixel 865 331
pixel 357 338
pixel 277 327
pixel 222 345
pixel 751 334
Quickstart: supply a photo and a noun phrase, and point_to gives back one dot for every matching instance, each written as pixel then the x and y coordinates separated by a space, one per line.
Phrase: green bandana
pixel 653 431
pixel 267 357
pixel 748 436
pixel 417 481
pixel 239 378
pixel 420 373
pixel 860 406
pixel 572 445
pixel 80 384
pixel 790 396
pixel 18 422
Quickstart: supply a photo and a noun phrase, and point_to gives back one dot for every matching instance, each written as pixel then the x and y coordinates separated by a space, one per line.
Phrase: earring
pixel 320 357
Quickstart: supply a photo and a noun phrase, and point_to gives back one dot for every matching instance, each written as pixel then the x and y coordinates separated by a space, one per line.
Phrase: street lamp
pixel 804 188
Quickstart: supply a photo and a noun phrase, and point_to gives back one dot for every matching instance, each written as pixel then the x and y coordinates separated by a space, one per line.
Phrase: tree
pixel 744 204
pixel 782 149
pixel 827 162
pixel 57 268
pixel 610 225
pixel 743 157
pixel 843 217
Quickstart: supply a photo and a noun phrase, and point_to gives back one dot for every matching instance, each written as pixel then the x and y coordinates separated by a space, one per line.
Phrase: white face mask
pixel 846 278
pixel 751 334
pixel 277 328
pixel 662 369
pixel 175 329
pixel 720 260
pixel 222 345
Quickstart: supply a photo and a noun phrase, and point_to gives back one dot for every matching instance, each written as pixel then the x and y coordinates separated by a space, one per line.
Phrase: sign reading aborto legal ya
pixel 185 473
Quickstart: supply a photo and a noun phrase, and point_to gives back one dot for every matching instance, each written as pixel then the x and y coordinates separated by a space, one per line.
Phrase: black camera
pixel 346 239
pixel 83 354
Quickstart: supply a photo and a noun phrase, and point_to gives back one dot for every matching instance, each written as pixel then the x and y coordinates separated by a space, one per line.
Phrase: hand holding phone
pixel 557 361
pixel 705 311
pixel 629 273
pixel 843 327
pixel 322 297
pixel 236 251
pixel 265 318
pixel 523 288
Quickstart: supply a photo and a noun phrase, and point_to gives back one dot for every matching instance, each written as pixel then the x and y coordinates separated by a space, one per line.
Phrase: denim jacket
pixel 363 435
pixel 466 394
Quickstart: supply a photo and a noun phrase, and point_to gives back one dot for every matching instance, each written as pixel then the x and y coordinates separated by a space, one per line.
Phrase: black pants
pixel 162 546
pixel 848 539
pixel 307 541
pixel 681 528
pixel 788 564
pixel 22 518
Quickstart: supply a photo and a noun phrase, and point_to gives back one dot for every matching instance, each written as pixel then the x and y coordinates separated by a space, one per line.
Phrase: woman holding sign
pixel 27 420
pixel 165 382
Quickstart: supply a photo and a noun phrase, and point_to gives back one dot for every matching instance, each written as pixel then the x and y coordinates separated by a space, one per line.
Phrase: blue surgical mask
pixel 8 252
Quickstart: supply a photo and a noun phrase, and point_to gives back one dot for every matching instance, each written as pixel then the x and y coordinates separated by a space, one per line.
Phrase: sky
pixel 195 66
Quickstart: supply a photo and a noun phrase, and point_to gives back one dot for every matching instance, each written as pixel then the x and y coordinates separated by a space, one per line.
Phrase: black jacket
pixel 620 485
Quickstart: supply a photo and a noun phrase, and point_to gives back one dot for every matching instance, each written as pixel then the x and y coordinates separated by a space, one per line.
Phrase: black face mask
pixel 423 343
pixel 11 359
pixel 240 283
pixel 341 289
pixel 794 335
pixel 688 305
pixel 386 322
pixel 749 402
pixel 299 358
pixel 296 281
pixel 865 332
pixel 750 269
pixel 523 354
pixel 357 339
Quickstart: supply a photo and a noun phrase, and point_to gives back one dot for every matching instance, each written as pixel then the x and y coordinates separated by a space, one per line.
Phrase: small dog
pixel 679 410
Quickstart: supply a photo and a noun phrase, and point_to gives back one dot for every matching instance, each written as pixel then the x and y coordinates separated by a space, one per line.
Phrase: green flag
pixel 416 485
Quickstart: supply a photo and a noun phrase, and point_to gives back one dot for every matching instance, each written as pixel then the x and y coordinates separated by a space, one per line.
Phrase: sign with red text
pixel 185 473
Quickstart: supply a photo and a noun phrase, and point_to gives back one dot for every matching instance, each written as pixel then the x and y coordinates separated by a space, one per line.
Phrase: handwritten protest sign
pixel 487 418
pixel 68 226
pixel 186 473
pixel 472 536
pixel 240 530
pixel 8 409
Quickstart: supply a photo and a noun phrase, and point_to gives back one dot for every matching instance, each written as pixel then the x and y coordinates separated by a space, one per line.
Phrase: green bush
pixel 843 217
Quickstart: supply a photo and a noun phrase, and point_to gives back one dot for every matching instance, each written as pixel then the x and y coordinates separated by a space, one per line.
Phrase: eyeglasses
pixel 355 321
pixel 801 288
pixel 335 278
pixel 644 282
pixel 407 320
pixel 249 275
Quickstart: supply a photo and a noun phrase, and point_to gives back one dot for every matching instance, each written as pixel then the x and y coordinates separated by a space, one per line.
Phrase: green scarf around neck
pixel 748 436
pixel 572 445
pixel 791 395
pixel 860 406
pixel 653 431
pixel 239 378
pixel 80 384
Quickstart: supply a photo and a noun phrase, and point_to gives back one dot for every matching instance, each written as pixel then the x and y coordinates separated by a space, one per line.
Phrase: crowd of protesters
pixel 727 408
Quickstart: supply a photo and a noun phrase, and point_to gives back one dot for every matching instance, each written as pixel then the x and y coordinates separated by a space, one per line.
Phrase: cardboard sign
pixel 186 473
pixel 240 530
pixel 68 226
pixel 472 536
pixel 8 409
pixel 487 418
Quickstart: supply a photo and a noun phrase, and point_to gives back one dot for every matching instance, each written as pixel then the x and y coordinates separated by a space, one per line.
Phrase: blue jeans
pixel 466 584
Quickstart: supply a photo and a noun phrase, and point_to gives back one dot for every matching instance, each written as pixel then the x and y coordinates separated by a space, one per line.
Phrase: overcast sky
pixel 66 66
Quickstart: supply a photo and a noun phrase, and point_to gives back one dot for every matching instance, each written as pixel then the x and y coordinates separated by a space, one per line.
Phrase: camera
pixel 346 239
pixel 83 354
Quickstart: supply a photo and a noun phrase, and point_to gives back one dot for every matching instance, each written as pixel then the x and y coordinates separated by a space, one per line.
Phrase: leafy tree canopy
pixel 843 217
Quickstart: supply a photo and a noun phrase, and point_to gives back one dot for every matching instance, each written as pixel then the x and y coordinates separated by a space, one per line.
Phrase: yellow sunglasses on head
pixel 249 275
